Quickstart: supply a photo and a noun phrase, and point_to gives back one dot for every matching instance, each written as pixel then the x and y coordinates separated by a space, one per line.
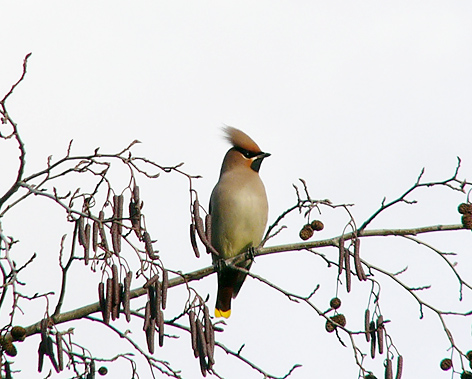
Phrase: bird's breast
pixel 238 215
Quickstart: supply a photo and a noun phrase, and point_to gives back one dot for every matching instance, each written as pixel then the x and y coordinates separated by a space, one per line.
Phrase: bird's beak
pixel 256 163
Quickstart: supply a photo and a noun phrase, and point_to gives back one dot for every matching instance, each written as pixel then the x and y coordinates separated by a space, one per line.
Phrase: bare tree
pixel 109 235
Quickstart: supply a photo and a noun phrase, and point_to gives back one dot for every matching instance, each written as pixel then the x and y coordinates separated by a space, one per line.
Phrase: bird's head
pixel 244 153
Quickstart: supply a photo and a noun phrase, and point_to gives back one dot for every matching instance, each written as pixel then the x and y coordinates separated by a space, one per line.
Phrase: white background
pixel 355 97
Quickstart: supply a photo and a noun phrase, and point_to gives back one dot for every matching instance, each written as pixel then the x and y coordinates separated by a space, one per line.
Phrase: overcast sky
pixel 356 97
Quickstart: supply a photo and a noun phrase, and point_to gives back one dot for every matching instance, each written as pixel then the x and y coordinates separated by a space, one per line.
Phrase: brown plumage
pixel 238 208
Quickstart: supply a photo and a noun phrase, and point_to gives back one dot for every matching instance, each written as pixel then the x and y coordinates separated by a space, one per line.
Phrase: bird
pixel 238 211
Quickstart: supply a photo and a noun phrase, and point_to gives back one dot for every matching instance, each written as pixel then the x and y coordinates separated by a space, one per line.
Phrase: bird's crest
pixel 241 139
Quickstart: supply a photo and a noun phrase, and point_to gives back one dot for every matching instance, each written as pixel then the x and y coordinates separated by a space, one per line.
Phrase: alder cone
pixel 445 364
pixel 467 220
pixel 339 319
pixel 306 232
pixel 465 208
pixel 335 303
pixel 317 225
pixel 18 333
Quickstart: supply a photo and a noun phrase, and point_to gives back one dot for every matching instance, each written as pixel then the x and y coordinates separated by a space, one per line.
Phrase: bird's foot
pixel 219 264
pixel 251 253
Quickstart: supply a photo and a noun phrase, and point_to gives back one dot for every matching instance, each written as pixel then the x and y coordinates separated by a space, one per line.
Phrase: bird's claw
pixel 251 253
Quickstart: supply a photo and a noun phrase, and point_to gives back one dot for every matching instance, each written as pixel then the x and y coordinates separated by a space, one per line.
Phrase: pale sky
pixel 354 97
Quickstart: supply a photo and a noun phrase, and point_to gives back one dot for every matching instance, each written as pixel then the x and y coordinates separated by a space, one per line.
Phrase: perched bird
pixel 238 209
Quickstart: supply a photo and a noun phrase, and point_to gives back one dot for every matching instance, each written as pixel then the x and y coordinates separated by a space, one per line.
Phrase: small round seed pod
pixel 306 232
pixel 18 333
pixel 9 348
pixel 335 302
pixel 317 225
pixel 330 326
pixel 465 208
pixel 466 375
pixel 103 371
pixel 339 319
pixel 370 376
pixel 469 355
pixel 446 364
pixel 467 220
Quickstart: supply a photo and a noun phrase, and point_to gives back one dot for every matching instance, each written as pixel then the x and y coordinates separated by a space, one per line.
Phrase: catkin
pixel 208 228
pixel 60 351
pixel 161 328
pixel 102 300
pixel 165 285
pixel 193 331
pixel 152 301
pixel 399 367
pixel 147 316
pixel 341 256
pixel 357 260
pixel 373 339
pixel 388 369
pixel 366 324
pixel 80 223
pixel 116 293
pixel 193 240
pixel 380 334
pixel 95 236
pixel 126 295
pixel 151 280
pixel 348 269
pixel 109 300
pixel 148 244
pixel 150 335
pixel 103 236
pixel 87 244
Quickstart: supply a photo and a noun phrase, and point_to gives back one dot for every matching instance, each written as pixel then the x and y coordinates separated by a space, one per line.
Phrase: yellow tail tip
pixel 220 313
